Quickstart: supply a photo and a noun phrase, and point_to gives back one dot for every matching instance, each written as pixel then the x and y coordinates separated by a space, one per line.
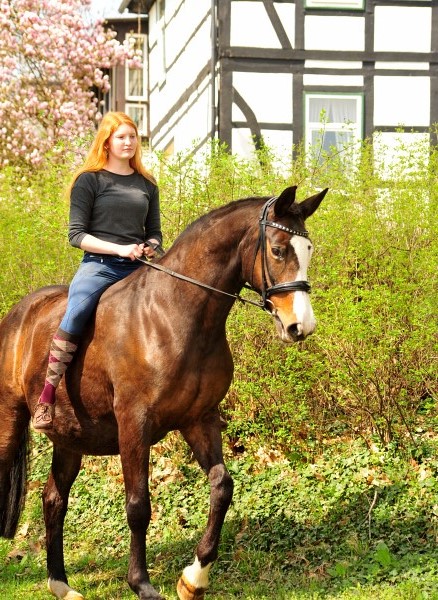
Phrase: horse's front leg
pixel 134 453
pixel 65 468
pixel 205 439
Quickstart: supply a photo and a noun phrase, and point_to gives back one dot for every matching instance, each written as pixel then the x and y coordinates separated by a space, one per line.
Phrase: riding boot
pixel 62 350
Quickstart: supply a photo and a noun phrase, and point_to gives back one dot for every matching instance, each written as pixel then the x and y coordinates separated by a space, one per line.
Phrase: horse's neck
pixel 211 253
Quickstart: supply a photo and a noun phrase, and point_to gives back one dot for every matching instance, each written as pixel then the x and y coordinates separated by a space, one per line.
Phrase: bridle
pixel 288 286
pixel 267 290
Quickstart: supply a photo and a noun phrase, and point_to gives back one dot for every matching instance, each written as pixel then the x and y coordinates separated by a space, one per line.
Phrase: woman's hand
pixel 131 251
pixel 92 244
pixel 149 248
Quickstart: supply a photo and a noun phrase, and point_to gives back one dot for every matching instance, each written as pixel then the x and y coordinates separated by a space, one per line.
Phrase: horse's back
pixel 27 327
pixel 28 311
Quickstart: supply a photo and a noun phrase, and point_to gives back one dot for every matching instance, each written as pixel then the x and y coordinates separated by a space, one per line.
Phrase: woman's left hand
pixel 149 250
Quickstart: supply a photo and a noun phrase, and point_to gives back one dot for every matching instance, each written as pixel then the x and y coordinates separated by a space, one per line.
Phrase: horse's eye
pixel 277 252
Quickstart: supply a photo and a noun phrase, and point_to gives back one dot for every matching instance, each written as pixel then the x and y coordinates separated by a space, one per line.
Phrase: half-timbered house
pixel 271 71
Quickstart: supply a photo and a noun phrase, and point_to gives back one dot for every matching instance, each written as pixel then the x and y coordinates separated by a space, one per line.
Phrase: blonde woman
pixel 115 219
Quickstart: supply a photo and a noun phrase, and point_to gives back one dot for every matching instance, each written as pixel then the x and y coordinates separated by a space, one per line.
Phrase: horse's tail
pixel 15 488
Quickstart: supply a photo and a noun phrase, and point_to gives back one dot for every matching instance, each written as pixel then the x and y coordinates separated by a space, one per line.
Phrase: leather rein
pixel 267 290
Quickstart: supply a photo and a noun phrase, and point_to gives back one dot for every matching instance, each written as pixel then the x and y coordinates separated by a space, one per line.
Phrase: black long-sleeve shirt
pixel 123 209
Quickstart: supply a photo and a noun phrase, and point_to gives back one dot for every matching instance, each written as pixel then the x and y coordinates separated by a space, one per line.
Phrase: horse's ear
pixel 309 205
pixel 284 201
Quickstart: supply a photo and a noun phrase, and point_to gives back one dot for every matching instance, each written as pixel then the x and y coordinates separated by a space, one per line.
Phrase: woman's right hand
pixel 131 251
pixel 92 244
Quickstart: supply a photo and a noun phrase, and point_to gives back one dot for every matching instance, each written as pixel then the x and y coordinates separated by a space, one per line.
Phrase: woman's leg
pixel 92 278
pixel 62 350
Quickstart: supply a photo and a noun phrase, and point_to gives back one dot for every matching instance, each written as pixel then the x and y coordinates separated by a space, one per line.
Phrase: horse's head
pixel 280 270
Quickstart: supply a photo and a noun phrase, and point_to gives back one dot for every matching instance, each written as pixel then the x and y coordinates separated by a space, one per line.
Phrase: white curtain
pixel 335 110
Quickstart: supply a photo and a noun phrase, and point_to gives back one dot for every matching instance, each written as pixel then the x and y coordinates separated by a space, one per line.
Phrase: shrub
pixel 369 369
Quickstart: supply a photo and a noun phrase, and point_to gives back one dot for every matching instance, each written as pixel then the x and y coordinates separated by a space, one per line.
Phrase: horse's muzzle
pixel 294 332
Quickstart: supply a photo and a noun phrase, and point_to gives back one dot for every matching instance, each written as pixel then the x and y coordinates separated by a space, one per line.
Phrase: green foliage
pixel 33 233
pixel 331 442
pixel 370 369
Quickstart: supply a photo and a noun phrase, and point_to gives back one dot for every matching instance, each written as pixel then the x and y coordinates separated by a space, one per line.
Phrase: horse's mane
pixel 218 213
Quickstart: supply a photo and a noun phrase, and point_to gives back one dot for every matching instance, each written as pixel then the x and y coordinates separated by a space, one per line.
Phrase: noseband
pixel 288 286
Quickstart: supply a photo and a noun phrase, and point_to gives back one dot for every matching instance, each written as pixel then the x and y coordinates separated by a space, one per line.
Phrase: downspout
pixel 213 69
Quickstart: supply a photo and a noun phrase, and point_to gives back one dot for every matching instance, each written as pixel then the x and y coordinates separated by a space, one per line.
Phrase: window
pixel 332 121
pixel 346 4
pixel 161 9
pixel 136 78
pixel 161 40
pixel 137 112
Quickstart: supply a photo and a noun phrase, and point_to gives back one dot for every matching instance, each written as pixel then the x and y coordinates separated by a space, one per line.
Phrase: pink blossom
pixel 52 55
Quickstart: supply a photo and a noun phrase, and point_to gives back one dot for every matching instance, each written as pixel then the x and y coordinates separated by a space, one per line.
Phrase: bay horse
pixel 154 359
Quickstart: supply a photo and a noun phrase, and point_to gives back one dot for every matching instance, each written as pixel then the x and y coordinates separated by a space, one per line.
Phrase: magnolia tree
pixel 52 55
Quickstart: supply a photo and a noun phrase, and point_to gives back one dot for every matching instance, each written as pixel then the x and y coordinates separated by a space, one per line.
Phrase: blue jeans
pixel 96 273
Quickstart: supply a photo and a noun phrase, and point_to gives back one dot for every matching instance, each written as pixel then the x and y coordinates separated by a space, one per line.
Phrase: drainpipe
pixel 213 69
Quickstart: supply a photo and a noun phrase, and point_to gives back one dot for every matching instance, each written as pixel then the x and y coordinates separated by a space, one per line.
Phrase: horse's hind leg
pixel 205 440
pixel 65 467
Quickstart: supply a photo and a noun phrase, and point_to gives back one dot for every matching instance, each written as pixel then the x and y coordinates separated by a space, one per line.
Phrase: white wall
pixel 398 100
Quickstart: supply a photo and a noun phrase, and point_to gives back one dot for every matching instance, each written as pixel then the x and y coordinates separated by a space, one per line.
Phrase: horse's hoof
pixel 148 592
pixel 187 591
pixel 62 590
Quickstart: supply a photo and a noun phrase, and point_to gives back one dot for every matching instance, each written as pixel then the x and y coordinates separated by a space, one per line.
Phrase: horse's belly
pixel 78 430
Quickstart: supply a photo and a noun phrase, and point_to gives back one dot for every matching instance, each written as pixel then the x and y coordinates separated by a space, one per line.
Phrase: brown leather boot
pixel 43 417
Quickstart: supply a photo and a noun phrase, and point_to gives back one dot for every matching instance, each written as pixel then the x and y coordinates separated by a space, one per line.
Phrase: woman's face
pixel 122 144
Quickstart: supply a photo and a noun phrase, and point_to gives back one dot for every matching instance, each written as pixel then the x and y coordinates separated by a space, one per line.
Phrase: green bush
pixel 370 367
pixel 332 442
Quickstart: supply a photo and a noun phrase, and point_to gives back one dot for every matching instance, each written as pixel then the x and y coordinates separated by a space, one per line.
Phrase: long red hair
pixel 96 158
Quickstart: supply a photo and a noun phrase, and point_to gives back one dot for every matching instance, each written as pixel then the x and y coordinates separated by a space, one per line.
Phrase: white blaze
pixel 302 306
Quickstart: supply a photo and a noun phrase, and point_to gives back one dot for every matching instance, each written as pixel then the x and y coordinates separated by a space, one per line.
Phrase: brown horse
pixel 154 359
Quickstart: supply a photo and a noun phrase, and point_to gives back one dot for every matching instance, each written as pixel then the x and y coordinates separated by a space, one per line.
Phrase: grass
pixel 356 523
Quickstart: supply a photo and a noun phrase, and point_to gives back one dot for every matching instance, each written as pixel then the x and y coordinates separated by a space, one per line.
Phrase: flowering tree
pixel 51 56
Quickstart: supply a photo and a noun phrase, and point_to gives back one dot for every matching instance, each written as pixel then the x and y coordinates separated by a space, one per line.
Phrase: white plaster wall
pixel 334 80
pixel 402 29
pixel 402 101
pixel 186 56
pixel 334 33
pixel 269 95
pixel 181 25
pixel 195 124
pixel 281 142
pixel 251 27
pixel 402 66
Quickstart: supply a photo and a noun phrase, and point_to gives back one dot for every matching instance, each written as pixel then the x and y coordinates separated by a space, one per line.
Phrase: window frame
pixel 311 126
pixel 335 4
pixel 143 68
pixel 142 124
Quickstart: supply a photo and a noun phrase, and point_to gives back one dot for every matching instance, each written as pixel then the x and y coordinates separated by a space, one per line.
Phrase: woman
pixel 115 219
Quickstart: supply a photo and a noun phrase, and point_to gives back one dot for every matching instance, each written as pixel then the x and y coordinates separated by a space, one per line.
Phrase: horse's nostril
pixel 294 330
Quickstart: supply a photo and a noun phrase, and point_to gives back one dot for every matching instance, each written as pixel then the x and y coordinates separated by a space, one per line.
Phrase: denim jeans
pixel 96 273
